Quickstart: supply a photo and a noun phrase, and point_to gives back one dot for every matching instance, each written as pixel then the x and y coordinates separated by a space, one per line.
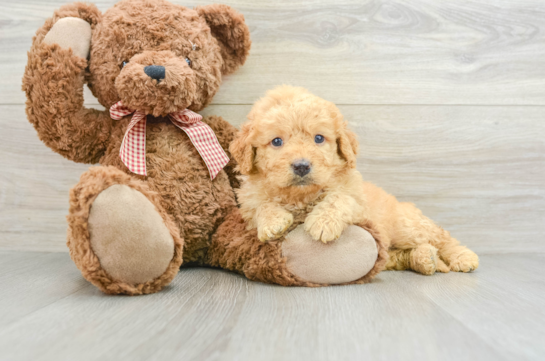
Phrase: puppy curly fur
pixel 272 193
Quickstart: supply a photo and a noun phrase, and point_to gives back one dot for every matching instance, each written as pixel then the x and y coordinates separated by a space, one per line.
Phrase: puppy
pixel 297 157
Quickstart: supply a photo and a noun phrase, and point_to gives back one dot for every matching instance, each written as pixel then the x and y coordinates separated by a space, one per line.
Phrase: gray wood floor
pixel 48 312
pixel 448 101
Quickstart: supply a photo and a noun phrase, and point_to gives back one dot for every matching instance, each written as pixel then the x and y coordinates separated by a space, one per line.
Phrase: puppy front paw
pixel 323 227
pixel 274 227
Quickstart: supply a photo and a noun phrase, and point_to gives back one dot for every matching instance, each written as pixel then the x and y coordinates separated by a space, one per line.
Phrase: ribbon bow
pixel 133 147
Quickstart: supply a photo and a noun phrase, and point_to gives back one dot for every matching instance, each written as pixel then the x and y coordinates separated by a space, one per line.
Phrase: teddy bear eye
pixel 188 61
pixel 277 142
pixel 124 63
pixel 319 138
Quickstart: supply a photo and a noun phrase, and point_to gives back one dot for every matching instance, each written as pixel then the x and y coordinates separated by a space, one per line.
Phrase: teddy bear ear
pixel 231 32
pixel 85 11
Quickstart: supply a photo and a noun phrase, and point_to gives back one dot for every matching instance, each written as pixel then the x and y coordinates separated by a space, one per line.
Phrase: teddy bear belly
pixel 177 172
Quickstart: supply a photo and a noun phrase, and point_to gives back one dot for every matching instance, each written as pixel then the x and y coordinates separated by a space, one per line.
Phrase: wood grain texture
pixel 477 171
pixel 356 51
pixel 214 315
pixel 508 290
pixel 32 281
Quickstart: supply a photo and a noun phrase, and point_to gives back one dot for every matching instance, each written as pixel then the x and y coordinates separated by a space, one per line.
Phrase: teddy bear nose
pixel 301 167
pixel 156 72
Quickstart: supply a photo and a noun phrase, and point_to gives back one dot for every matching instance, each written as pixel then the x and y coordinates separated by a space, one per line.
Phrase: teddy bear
pixel 162 194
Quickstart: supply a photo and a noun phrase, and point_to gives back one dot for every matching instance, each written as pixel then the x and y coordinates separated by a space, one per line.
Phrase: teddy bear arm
pixel 53 83
pixel 225 133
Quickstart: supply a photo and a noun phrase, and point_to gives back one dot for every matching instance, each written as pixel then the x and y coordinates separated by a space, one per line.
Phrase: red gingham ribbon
pixel 133 147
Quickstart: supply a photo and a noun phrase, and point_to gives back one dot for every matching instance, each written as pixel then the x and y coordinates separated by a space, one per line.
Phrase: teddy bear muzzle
pixel 157 83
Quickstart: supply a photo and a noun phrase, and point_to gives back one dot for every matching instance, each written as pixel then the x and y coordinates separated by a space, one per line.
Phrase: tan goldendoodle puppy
pixel 296 151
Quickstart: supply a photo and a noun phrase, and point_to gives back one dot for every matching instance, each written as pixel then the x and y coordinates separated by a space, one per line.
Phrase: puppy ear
pixel 231 32
pixel 347 145
pixel 242 151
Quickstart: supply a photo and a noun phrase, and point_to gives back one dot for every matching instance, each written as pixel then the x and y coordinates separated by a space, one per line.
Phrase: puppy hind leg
pixel 416 240
pixel 398 259
pixel 456 257
pixel 416 229
pixel 422 259
pixel 459 258
pixel 441 265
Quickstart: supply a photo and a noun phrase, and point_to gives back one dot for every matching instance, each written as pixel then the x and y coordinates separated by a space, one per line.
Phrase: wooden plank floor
pixel 48 312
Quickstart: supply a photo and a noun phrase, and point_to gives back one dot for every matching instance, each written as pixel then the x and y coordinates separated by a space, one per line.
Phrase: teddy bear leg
pixel 237 249
pixel 296 259
pixel 119 236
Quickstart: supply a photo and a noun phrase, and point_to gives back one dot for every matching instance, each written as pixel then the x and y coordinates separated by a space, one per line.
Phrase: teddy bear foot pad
pixel 129 236
pixel 344 260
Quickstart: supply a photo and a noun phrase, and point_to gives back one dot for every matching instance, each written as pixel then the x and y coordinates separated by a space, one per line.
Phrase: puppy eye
pixel 124 63
pixel 277 142
pixel 319 139
pixel 188 61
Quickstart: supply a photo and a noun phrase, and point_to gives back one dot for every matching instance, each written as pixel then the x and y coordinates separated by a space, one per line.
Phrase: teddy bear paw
pixel 71 33
pixel 346 259
pixel 128 236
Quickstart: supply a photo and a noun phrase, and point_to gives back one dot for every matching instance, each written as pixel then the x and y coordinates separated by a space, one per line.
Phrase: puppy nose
pixel 156 72
pixel 301 167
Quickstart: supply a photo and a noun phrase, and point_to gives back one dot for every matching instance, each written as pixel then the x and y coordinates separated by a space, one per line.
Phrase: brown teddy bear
pixel 163 193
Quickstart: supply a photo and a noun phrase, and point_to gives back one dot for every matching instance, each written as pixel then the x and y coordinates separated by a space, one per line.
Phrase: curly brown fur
pixel 158 32
pixel 232 34
pixel 176 91
pixel 273 191
pixel 178 174
pixel 55 106
pixel 140 33
pixel 82 195
pixel 236 248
